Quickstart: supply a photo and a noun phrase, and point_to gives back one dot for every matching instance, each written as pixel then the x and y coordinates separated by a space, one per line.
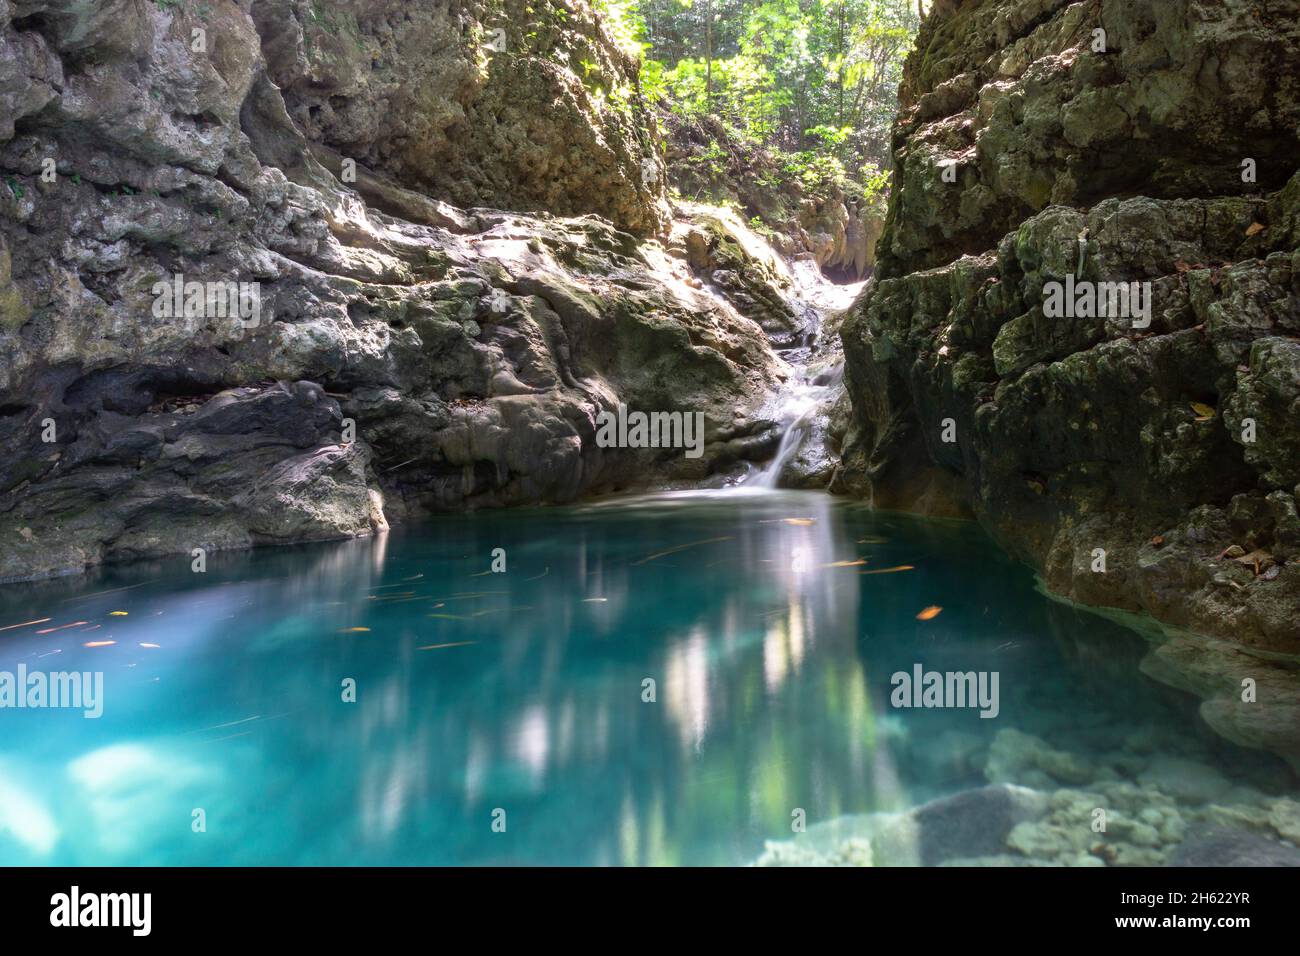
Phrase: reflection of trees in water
pixel 772 673
pixel 554 728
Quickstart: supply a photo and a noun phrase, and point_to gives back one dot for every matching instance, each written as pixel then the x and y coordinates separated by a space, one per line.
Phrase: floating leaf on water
pixel 354 630
pixel 846 564
pixel 117 613
pixel 99 643
pixel 800 522
pixel 680 547
pixel 929 613
pixel 51 630
pixel 39 620
pixel 435 647
pixel 901 567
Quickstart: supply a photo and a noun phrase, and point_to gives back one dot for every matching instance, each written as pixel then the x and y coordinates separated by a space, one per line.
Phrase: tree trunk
pixel 708 55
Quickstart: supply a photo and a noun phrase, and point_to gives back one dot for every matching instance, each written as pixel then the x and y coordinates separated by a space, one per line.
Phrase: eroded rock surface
pixel 1149 467
pixel 406 354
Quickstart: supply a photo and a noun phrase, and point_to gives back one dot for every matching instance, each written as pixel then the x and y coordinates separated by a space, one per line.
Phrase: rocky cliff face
pixel 707 160
pixel 512 104
pixel 238 303
pixel 1146 463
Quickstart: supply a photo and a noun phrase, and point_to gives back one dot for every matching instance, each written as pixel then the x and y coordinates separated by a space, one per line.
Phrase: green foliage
pixel 816 80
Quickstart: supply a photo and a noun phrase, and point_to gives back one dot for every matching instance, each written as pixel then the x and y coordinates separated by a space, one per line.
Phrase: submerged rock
pixel 1234 848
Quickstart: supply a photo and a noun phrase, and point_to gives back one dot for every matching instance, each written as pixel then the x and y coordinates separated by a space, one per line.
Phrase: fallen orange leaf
pixel 930 612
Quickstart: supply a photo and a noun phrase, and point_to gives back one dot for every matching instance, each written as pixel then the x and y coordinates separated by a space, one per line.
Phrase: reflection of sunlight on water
pixel 23 817
pixel 532 742
pixel 686 690
pixel 731 601
pixel 130 786
pixel 478 756
pixel 384 794
pixel 783 647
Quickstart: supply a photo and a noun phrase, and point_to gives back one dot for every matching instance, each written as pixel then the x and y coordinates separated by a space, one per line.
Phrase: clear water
pixel 523 690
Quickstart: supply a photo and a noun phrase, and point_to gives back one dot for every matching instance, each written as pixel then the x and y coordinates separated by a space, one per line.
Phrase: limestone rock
pixel 1119 454
pixel 401 355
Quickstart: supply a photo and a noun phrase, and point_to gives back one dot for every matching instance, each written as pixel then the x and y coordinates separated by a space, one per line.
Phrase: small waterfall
pixel 818 371
pixel 796 410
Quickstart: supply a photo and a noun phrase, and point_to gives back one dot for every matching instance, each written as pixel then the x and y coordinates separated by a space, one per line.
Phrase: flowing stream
pixel 817 368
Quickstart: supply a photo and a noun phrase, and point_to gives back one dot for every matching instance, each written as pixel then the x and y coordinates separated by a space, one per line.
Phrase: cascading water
pixel 818 371
pixel 810 390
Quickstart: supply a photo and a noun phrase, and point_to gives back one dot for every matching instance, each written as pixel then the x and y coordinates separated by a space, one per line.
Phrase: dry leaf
pixel 10 627
pixel 929 613
pixel 1158 540
pixel 1254 229
pixel 680 547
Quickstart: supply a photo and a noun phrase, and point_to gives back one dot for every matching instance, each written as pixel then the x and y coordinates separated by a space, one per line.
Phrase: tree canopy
pixel 816 80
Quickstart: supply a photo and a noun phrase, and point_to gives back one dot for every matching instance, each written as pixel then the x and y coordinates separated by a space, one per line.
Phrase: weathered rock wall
pixel 514 104
pixel 708 161
pixel 1114 156
pixel 406 355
